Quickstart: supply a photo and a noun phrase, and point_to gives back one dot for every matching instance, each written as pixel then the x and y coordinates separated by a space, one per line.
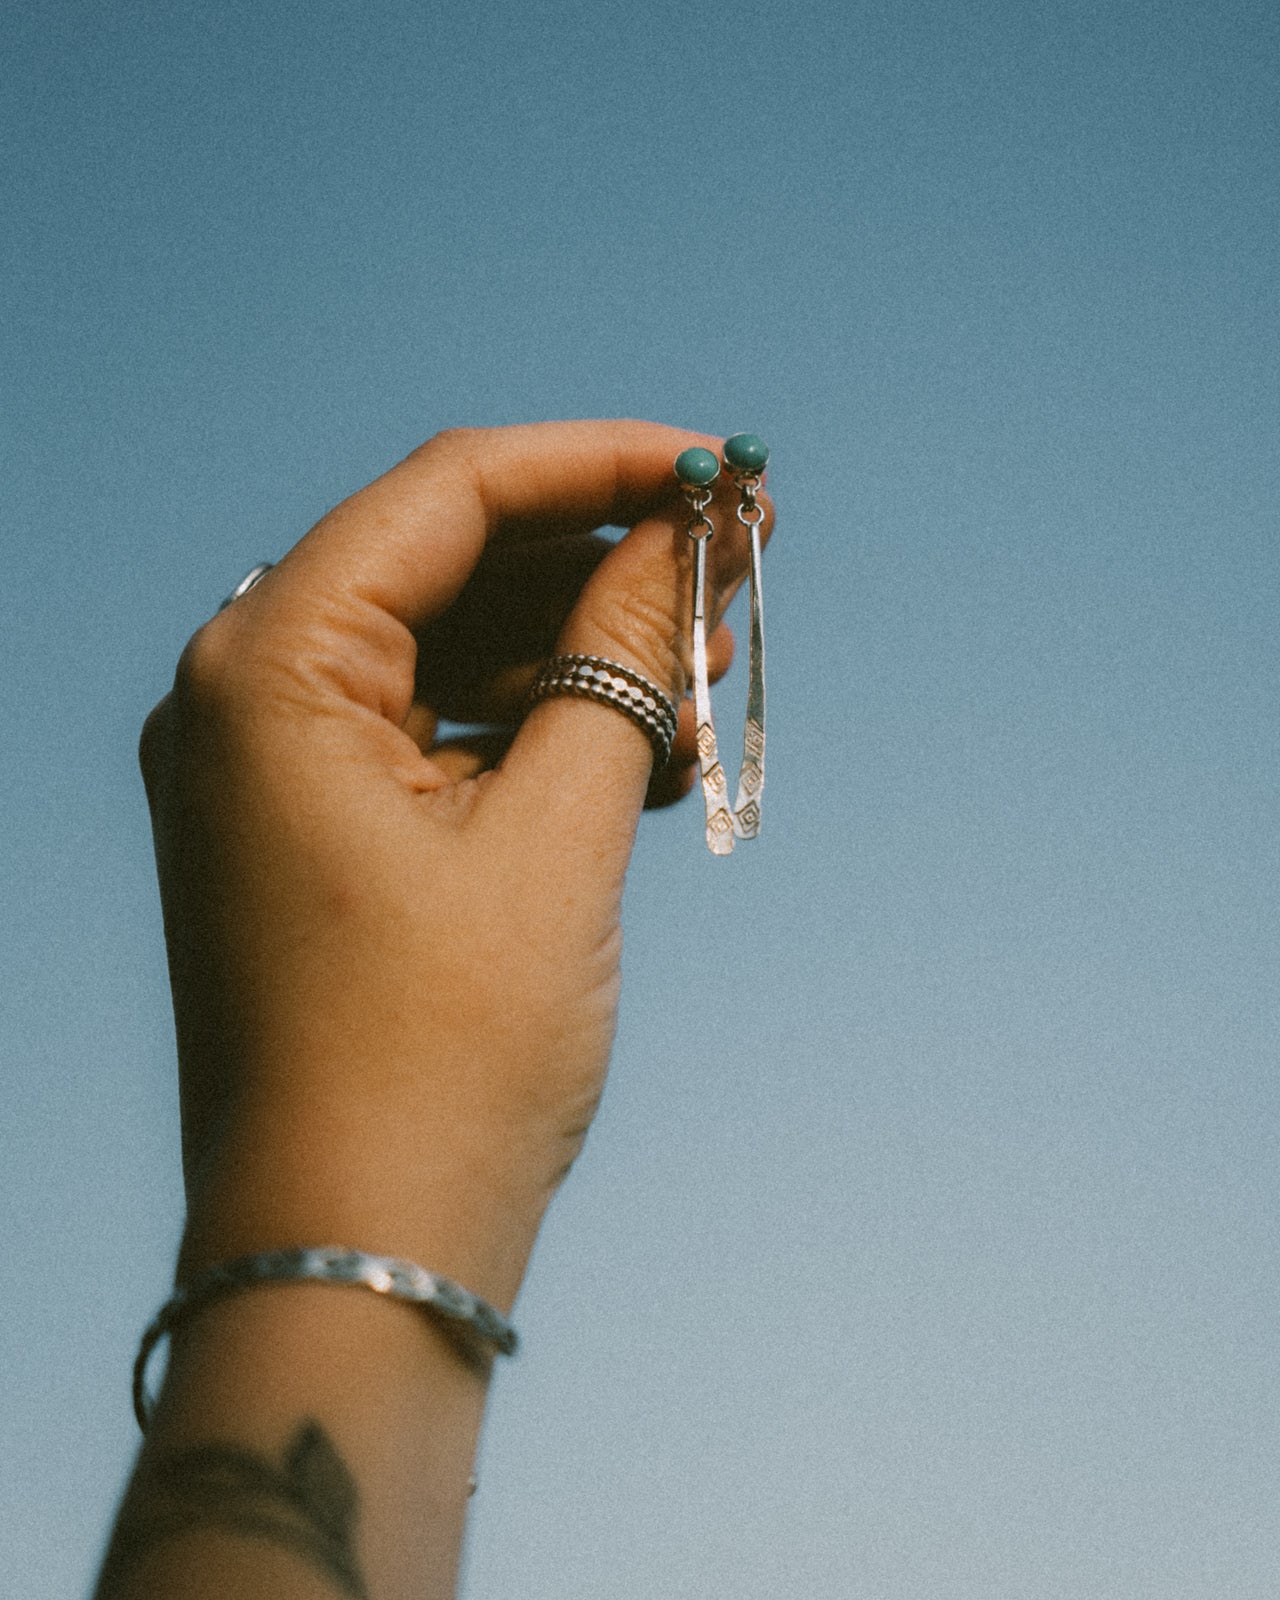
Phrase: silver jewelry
pixel 696 470
pixel 401 1280
pixel 745 456
pixel 254 575
pixel 611 684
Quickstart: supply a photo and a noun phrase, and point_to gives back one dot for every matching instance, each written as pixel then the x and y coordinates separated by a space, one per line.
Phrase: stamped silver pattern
pixel 747 806
pixel 714 794
pixel 389 1275
pixel 743 822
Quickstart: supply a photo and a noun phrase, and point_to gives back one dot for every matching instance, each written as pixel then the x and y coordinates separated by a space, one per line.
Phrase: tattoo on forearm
pixel 308 1505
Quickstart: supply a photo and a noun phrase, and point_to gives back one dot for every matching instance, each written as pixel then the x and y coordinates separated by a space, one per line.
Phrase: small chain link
pixel 700 524
pixel 750 511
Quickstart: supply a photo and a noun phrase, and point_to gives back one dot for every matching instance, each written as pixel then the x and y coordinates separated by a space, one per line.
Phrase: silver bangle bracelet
pixel 401 1280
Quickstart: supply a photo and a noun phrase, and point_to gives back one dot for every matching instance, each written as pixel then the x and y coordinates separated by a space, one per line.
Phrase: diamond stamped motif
pixel 745 457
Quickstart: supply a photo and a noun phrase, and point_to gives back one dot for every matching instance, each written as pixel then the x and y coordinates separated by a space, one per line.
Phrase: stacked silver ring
pixel 611 684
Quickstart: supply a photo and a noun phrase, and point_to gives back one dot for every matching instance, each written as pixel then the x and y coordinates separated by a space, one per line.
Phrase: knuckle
pixel 220 673
pixel 153 744
pixel 204 689
pixel 205 667
pixel 458 443
pixel 458 437
pixel 642 627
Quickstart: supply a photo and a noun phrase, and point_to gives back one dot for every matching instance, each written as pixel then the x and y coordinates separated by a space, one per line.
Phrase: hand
pixel 396 964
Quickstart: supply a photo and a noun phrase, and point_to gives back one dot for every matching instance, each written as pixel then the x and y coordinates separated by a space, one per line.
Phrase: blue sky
pixel 925 1246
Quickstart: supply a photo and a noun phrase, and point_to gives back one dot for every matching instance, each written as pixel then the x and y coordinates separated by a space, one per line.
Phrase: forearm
pixel 395 967
pixel 311 1441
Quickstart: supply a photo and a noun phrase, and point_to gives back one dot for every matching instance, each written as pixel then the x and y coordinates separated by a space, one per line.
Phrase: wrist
pixel 250 1379
pixel 444 1210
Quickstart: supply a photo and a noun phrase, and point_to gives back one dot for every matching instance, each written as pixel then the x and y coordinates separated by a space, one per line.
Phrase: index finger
pixel 409 541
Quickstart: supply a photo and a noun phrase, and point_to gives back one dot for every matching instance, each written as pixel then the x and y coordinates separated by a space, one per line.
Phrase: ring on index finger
pixel 254 575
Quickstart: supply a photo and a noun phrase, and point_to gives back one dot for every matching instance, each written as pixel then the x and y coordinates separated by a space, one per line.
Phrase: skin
pixel 395 967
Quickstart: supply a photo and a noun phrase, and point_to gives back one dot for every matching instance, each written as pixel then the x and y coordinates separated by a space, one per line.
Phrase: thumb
pixel 580 765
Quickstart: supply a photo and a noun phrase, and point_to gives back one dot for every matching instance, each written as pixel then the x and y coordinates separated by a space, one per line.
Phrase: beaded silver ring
pixel 609 683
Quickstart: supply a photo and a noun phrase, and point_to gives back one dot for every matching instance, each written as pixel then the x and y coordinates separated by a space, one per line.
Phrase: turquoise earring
pixel 746 456
pixel 696 471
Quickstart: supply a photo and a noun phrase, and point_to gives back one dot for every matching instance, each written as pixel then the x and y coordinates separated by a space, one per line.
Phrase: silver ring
pixel 609 683
pixel 254 575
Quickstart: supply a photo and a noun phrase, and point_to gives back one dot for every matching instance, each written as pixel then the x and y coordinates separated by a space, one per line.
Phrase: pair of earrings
pixel 745 457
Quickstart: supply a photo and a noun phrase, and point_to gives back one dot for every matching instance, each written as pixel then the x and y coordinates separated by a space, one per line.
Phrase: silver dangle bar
pixel 715 794
pixel 746 808
pixel 696 470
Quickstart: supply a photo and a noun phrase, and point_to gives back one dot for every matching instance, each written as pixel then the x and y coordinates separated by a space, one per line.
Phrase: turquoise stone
pixel 697 468
pixel 745 452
